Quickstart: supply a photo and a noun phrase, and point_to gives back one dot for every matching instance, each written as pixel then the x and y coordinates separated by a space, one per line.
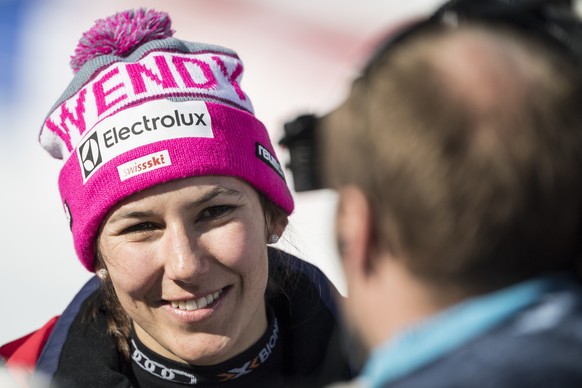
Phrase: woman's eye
pixel 141 227
pixel 216 212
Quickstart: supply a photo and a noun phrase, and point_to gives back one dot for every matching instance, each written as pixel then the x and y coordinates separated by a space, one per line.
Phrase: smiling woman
pixel 189 256
pixel 173 193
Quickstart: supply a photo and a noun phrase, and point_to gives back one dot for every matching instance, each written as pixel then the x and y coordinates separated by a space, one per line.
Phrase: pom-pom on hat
pixel 121 34
pixel 145 108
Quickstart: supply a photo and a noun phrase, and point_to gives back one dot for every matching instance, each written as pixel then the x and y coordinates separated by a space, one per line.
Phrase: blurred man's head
pixel 457 155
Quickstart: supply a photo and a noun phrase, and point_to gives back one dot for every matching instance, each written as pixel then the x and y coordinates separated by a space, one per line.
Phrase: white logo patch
pixel 138 126
pixel 144 164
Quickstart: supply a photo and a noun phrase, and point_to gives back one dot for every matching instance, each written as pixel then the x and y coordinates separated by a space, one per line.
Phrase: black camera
pixel 302 138
pixel 553 22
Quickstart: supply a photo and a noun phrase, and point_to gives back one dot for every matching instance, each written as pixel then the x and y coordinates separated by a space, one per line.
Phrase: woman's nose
pixel 185 260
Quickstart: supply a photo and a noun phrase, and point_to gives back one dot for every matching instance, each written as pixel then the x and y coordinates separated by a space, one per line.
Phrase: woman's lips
pixel 198 303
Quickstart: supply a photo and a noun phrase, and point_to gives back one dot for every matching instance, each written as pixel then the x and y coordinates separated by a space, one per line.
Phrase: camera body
pixel 554 22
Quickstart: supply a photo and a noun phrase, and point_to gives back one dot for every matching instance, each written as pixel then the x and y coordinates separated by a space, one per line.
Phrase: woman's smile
pixel 194 304
pixel 196 309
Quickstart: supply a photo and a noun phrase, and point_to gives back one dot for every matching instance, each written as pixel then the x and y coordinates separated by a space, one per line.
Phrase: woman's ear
pixel 279 226
pixel 275 229
pixel 354 230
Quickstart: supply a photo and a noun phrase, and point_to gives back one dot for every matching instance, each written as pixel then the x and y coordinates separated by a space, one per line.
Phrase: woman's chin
pixel 215 351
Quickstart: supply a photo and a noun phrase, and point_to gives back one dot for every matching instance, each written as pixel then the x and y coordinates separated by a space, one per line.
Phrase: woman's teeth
pixel 195 304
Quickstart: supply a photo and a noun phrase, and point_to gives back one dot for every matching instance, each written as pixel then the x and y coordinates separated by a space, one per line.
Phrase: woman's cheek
pixel 231 244
pixel 132 267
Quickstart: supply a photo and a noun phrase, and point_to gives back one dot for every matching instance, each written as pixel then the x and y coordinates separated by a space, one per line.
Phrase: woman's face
pixel 188 261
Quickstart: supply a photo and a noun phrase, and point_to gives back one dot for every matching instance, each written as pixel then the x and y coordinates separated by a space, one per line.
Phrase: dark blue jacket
pixel 539 346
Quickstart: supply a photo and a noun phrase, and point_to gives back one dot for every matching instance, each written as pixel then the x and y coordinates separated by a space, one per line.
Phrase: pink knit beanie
pixel 145 108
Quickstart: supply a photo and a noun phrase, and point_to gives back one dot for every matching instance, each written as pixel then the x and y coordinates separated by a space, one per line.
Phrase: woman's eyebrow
pixel 130 214
pixel 216 192
pixel 207 197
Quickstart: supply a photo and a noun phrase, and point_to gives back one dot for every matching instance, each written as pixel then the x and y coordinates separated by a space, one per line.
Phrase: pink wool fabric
pixel 140 115
pixel 120 34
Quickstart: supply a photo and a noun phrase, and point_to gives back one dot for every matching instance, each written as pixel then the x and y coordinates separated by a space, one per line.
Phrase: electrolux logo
pixel 113 136
pixel 90 155
pixel 145 124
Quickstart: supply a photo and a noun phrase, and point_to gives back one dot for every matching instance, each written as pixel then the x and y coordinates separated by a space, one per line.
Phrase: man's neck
pixel 397 300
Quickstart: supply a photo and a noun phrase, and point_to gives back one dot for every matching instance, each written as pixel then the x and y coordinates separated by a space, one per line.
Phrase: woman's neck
pixel 261 358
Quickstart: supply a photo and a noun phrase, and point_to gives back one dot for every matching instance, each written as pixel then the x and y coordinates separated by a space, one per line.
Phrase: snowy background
pixel 299 57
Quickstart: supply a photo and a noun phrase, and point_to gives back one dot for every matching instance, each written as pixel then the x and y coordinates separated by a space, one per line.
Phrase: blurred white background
pixel 299 57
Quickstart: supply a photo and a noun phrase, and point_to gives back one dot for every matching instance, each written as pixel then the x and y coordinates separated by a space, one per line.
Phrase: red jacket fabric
pixel 22 354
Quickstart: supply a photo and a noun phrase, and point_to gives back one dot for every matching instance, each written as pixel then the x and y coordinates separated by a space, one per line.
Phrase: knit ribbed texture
pixel 135 117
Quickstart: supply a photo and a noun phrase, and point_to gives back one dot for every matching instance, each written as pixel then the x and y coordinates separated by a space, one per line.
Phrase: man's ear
pixel 354 230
